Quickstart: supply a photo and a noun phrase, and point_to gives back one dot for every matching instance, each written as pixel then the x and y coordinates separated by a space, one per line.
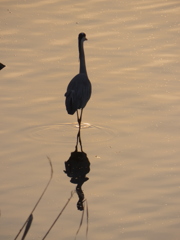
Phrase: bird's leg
pixel 81 116
pixel 78 141
pixel 78 119
pixel 79 138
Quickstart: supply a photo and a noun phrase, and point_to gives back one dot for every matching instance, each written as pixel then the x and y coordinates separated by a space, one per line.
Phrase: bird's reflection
pixel 77 167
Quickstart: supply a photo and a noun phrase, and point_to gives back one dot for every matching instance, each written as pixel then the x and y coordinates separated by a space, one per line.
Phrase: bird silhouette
pixel 2 66
pixel 79 89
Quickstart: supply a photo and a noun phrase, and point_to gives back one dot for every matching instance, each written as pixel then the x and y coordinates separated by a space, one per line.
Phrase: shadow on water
pixel 76 167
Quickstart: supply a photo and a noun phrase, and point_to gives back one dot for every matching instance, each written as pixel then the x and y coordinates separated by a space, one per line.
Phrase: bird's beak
pixel 85 39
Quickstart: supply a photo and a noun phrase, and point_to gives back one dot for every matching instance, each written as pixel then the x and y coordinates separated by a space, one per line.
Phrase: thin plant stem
pixel 72 193
pixel 31 213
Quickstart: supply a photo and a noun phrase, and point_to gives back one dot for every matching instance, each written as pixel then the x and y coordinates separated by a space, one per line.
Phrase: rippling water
pixel 131 123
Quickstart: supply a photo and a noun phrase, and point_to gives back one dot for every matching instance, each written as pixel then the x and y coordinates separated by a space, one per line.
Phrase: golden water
pixel 132 142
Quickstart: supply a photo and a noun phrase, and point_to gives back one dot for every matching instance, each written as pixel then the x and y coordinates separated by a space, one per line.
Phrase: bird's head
pixel 82 37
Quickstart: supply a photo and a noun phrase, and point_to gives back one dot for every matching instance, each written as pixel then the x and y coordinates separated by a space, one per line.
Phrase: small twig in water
pixel 80 224
pixel 28 225
pixel 72 193
pixel 87 215
pixel 28 222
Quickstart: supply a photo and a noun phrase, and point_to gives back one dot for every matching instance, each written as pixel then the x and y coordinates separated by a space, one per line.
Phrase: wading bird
pixel 79 89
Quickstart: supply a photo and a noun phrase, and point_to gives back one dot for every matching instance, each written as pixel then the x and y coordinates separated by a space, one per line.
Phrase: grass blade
pixel 72 193
pixel 80 223
pixel 28 225
pixel 87 215
pixel 50 163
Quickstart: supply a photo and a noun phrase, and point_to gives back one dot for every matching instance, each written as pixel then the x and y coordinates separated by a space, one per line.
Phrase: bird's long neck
pixel 82 58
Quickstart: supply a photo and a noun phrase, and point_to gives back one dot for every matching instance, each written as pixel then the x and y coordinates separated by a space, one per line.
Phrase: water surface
pixel 132 139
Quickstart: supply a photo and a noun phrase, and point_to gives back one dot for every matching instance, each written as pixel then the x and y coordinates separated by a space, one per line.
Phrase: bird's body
pixel 78 93
pixel 79 89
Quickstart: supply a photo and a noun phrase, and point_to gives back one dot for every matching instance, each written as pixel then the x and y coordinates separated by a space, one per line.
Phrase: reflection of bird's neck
pixel 80 192
pixel 82 58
